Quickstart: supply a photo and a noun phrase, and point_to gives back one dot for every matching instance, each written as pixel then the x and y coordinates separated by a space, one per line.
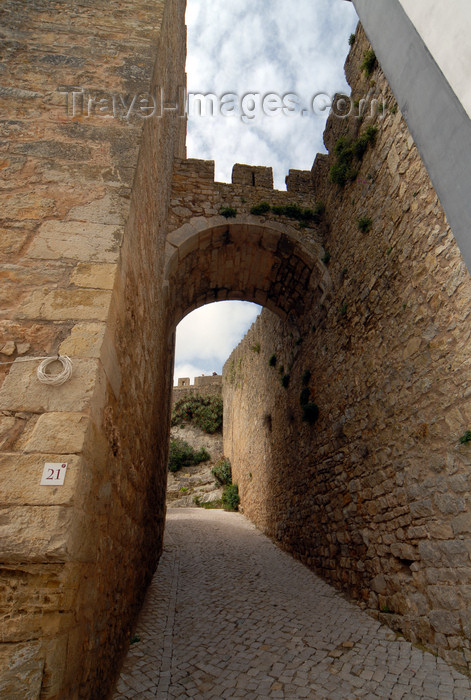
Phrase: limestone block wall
pixel 196 194
pixel 218 249
pixel 374 495
pixel 81 245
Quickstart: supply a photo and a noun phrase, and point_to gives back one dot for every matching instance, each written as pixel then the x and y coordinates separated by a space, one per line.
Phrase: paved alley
pixel 229 615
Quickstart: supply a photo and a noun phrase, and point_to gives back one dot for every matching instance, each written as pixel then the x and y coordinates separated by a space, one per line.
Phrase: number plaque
pixel 54 474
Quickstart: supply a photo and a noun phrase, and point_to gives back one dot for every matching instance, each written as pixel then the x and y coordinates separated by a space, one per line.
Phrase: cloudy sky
pixel 240 51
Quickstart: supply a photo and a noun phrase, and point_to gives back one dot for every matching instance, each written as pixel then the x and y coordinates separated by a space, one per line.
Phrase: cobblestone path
pixel 228 615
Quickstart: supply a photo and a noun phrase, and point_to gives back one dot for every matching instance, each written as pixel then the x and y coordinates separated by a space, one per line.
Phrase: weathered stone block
pixel 461 524
pixel 450 504
pixel 445 622
pixel 21 670
pixel 12 241
pixel 109 210
pixel 21 476
pixel 35 533
pixel 57 240
pixel 66 305
pixel 85 340
pixel 58 433
pixel 22 391
pixel 7 426
pixel 402 550
pixel 95 276
pixel 26 205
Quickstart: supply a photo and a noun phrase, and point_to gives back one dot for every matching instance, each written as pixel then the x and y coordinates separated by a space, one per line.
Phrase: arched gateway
pixel 110 236
pixel 261 258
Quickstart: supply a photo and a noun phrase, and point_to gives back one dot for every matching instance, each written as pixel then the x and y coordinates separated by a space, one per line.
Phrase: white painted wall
pixel 445 27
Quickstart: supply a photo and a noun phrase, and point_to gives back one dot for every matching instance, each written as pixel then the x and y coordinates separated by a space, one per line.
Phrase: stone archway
pixel 85 236
pixel 267 263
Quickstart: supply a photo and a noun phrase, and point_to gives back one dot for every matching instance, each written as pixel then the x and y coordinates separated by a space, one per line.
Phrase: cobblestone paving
pixel 228 615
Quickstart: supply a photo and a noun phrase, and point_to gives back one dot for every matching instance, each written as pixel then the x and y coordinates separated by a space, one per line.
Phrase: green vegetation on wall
pixel 369 62
pixel 349 153
pixel 292 211
pixel 228 212
pixel 230 497
pixel 222 472
pixel 364 224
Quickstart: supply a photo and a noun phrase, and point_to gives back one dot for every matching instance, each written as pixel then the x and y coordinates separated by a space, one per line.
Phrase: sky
pixel 272 67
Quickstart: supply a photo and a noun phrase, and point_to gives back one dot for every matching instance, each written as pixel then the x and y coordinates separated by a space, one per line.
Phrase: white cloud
pixel 207 336
pixel 266 46
pixel 246 46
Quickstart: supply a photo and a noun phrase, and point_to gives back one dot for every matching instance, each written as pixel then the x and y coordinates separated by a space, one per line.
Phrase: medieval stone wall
pixel 82 251
pixel 203 386
pixel 218 250
pixel 374 495
pixel 102 253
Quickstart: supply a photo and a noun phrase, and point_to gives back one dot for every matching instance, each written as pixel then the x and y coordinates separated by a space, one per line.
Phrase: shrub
pixel 228 212
pixel 256 348
pixel 349 153
pixel 342 148
pixel 222 472
pixel 364 224
pixel 293 211
pixel 304 216
pixel 339 174
pixel 259 209
pixel 351 39
pixel 369 62
pixel 360 145
pixel 285 381
pixel 230 497
pixel 310 413
pixel 370 133
pixel 203 411
pixel 342 171
pixel 181 454
pixel 272 361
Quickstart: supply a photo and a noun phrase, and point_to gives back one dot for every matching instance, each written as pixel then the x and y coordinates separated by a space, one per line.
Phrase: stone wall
pixel 82 260
pixel 104 251
pixel 202 386
pixel 219 250
pixel 374 495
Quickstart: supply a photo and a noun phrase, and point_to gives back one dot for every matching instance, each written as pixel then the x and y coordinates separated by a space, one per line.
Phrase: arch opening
pixel 269 264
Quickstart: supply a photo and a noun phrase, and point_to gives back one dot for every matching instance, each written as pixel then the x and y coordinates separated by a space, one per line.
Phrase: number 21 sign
pixel 53 474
